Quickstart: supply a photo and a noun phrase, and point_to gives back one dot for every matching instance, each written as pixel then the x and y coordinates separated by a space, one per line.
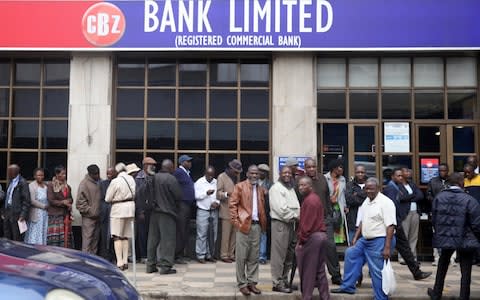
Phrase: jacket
pixel 55 201
pixel 435 186
pixel 284 205
pixel 165 193
pixel 456 220
pixel 141 192
pixel 20 200
pixel 89 198
pixel 36 206
pixel 401 198
pixel 354 197
pixel 225 185
pixel 241 206
pixel 121 193
pixel 186 184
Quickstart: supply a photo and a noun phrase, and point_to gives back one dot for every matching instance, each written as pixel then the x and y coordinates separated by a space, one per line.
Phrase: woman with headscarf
pixel 38 221
pixel 60 202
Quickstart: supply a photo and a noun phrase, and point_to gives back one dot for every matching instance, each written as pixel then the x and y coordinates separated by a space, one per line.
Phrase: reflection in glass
pixel 192 103
pixel 4 102
pixel 27 73
pixel 129 135
pixel 26 103
pixel 335 145
pixel 428 72
pixel 252 159
pixel 363 105
pixel 131 73
pixel 24 134
pixel 254 74
pixel 161 134
pixel 369 162
pixel 223 103
pixel 130 103
pixel 429 139
pixel 461 71
pixel 461 104
pixel 254 104
pixel 193 74
pixel 129 157
pixel 459 162
pixel 220 160
pixel 390 162
pixel 161 104
pixel 191 135
pixel 55 134
pixel 223 74
pixel 331 72
pixel 27 160
pixel 429 105
pixel 161 73
pixel 50 160
pixel 254 136
pixel 57 73
pixel 55 103
pixel 223 135
pixel 463 139
pixel 331 105
pixel 3 134
pixel 4 74
pixel 364 138
pixel 4 164
pixel 396 105
pixel 363 72
pixel 395 72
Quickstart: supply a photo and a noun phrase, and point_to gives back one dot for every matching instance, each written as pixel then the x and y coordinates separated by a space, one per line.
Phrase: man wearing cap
pixel 142 214
pixel 88 203
pixel 225 184
pixel 182 174
pixel 264 181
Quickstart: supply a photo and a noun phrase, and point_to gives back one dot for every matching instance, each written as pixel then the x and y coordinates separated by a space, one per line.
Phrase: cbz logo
pixel 103 24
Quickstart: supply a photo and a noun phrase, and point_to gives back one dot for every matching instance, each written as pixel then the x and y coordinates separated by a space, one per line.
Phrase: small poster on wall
pixel 397 137
pixel 429 169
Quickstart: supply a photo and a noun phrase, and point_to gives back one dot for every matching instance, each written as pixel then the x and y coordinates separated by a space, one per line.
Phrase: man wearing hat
pixel 142 214
pixel 292 162
pixel 182 174
pixel 264 181
pixel 225 183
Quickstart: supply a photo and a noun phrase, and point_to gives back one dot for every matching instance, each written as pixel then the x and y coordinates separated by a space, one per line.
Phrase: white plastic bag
pixel 389 284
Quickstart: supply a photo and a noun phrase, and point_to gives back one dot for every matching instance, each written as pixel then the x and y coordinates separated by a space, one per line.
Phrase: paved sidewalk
pixel 217 281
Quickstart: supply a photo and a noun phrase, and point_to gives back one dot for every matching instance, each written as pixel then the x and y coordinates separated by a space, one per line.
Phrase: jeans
pixel 202 248
pixel 263 246
pixel 365 251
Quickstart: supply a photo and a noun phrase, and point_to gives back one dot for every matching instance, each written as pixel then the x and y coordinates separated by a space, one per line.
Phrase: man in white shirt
pixel 376 228
pixel 207 212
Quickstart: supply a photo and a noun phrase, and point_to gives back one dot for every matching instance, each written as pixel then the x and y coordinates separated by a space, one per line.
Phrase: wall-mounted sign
pixel 301 162
pixel 429 169
pixel 396 137
pixel 239 25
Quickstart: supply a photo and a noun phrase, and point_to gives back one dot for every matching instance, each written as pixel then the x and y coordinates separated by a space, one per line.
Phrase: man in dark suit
pixel 16 204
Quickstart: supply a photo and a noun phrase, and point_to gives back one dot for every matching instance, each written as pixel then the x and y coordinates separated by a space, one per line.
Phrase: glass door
pixel 365 144
pixel 431 148
pixel 464 141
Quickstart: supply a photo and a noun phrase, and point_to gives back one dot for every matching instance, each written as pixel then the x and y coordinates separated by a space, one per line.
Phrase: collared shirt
pixel 376 215
pixel 186 171
pixel 10 189
pixel 255 204
pixel 205 201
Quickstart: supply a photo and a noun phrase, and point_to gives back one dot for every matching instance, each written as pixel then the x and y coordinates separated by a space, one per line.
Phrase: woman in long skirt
pixel 60 200
pixel 38 221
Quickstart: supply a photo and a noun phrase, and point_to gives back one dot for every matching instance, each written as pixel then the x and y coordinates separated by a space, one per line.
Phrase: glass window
pixel 459 162
pixel 254 136
pixel 428 72
pixel 254 74
pixel 363 72
pixel 335 144
pixel 4 102
pixel 390 162
pixel 161 134
pixel 331 72
pixel 429 139
pixel 4 73
pixel 26 102
pixel 223 74
pixel 364 138
pixel 252 159
pixel 55 103
pixel 161 104
pixel 463 139
pixel 461 71
pixel 363 105
pixel 193 74
pixel 223 135
pixel 191 135
pixel 223 103
pixel 429 105
pixel 3 134
pixel 27 160
pixel 192 103
pixel 130 103
pixel 4 164
pixel 24 134
pixel 396 105
pixel 161 73
pixel 129 157
pixel 27 73
pixel 197 171
pixel 396 72
pixel 50 160
pixel 57 73
pixel 331 105
pixel 129 135
pixel 369 162
pixel 220 161
pixel 461 104
pixel 131 72
pixel 54 134
pixel 254 104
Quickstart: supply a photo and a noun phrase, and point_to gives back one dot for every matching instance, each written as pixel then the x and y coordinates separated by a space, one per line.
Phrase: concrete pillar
pixel 294 107
pixel 90 117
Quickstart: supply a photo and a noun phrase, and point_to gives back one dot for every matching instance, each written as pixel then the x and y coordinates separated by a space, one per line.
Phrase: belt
pixel 121 201
pixel 255 222
pixel 204 209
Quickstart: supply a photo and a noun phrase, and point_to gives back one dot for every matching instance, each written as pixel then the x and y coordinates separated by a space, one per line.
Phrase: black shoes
pixel 180 261
pixel 433 295
pixel 166 271
pixel 422 275
pixel 336 281
pixel 282 289
pixel 340 291
pixel 152 270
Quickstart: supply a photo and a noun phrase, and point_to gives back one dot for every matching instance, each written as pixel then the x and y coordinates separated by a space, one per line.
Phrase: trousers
pixel 246 256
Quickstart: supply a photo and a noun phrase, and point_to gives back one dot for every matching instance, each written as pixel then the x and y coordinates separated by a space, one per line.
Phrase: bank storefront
pixel 384 84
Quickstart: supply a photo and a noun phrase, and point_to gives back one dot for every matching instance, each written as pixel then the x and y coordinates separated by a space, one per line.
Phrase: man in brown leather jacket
pixel 247 213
